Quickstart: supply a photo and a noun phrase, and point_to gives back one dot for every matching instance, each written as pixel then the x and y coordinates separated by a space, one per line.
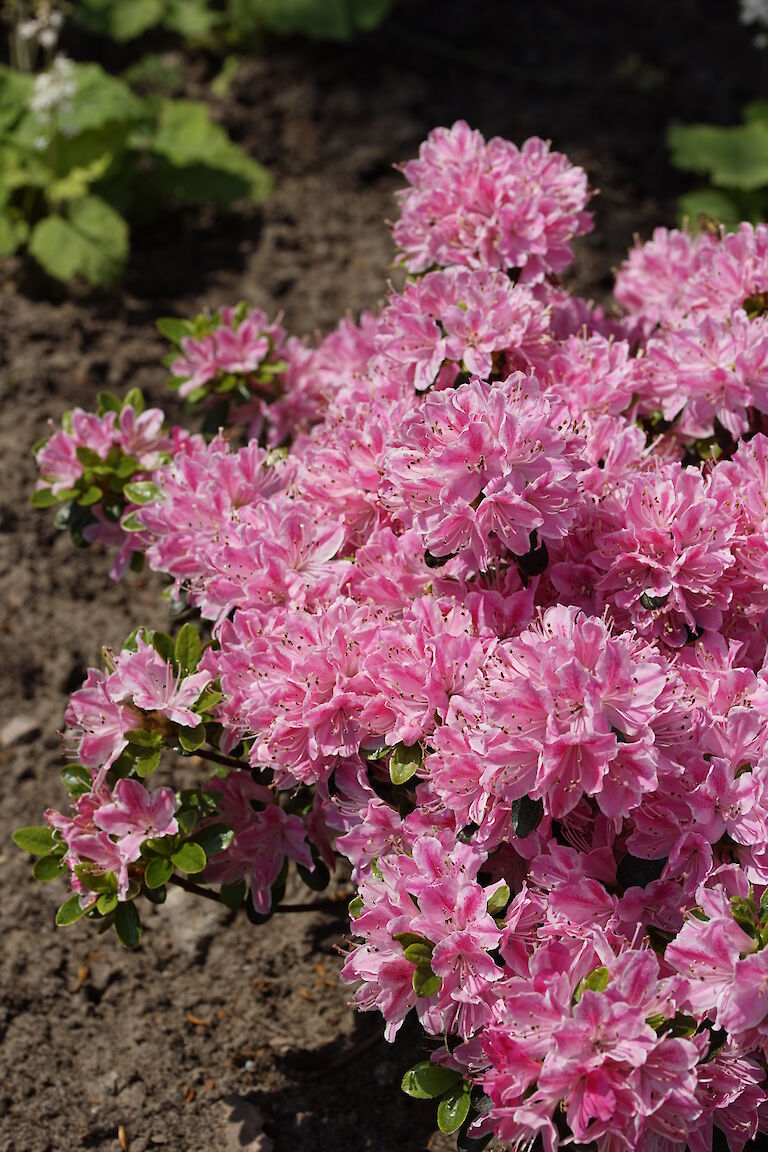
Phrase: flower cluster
pixel 484 585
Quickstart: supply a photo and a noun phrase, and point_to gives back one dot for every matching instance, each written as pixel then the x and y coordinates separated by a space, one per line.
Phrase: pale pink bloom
pixel 153 685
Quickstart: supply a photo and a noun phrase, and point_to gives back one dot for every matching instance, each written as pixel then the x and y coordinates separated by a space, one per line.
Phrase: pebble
pixel 20 730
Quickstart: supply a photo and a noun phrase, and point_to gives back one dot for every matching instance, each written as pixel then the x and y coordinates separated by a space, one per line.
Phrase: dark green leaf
pixel 47 868
pixel 157 872
pixel 233 894
pixel 69 912
pixel 187 648
pixel 426 1080
pixel 77 779
pixel 190 858
pixel 214 838
pixel 191 739
pixel 318 879
pixel 128 925
pixel 163 645
pixel 525 815
pixel 453 1109
pixel 36 839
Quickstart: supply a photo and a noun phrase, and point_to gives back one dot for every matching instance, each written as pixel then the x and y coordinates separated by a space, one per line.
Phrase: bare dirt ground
pixel 218 1035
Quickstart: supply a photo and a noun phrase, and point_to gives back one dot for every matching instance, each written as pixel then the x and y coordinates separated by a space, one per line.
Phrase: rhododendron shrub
pixel 476 603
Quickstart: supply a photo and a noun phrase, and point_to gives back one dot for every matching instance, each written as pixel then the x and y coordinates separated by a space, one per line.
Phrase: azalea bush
pixel 83 154
pixel 474 596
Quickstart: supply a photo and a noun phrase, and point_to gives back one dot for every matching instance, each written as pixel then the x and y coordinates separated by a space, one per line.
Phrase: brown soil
pixel 215 1023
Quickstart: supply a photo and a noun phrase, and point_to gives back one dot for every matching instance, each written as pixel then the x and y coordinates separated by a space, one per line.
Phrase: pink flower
pixel 135 815
pixel 483 464
pixel 152 684
pixel 491 205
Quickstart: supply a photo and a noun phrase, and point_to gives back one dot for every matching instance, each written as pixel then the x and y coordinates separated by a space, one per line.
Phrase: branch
pixel 329 905
pixel 220 758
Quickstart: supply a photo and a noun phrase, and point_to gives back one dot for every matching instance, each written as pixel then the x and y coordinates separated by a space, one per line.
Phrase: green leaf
pixel 174 329
pixel 192 19
pixel 525 815
pixel 37 839
pixel 214 838
pixel 70 911
pixel 96 881
pixel 355 907
pixel 221 84
pixel 47 868
pixel 597 981
pixel 92 242
pixel 141 738
pixel 498 902
pixel 141 492
pixel 233 894
pixel 79 179
pixel 321 19
pixel 406 938
pixel 118 19
pixel 188 139
pixel 187 648
pixel 106 903
pixel 134 398
pixel 404 762
pixel 426 1080
pixel 131 523
pixel 43 498
pixel 14 231
pixel 157 872
pixel 100 99
pixel 147 763
pixel 77 779
pixel 190 858
pixel 128 925
pixel 710 202
pixel 318 879
pixel 91 496
pixel 163 645
pixel 419 954
pixel 209 699
pixel 425 982
pixel 191 739
pixel 734 157
pixel 453 1109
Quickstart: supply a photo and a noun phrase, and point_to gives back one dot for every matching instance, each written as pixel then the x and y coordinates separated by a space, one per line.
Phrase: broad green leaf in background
pixel 710 202
pixel 323 19
pixel 91 241
pixel 187 138
pixel 120 19
pixel 14 231
pixel 15 92
pixel 734 157
pixel 100 99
